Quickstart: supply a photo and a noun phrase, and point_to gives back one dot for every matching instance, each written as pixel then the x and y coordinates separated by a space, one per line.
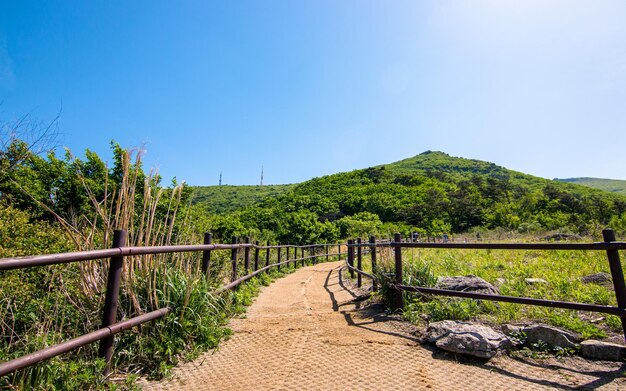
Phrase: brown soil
pixel 307 331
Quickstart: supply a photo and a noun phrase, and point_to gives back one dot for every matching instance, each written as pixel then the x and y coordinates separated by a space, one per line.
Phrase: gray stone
pixel 598 350
pixel 551 335
pixel 467 338
pixel 514 333
pixel 535 281
pixel 509 329
pixel 500 282
pixel 597 278
pixel 466 284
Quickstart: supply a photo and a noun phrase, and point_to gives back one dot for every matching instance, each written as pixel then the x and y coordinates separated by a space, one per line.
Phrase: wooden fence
pixel 116 254
pixel 610 245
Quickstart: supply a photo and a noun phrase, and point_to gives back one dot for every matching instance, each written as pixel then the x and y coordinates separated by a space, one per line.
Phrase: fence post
pixel 326 248
pixel 339 252
pixel 373 254
pixel 267 256
pixel 233 258
pixel 206 254
pixel 112 298
pixel 303 261
pixel 351 256
pixel 278 260
pixel 295 256
pixel 617 274
pixel 397 240
pixel 359 263
pixel 246 255
pixel 256 256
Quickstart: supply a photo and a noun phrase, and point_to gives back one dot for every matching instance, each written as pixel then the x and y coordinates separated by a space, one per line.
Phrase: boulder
pixel 598 350
pixel 467 338
pixel 551 335
pixel 597 278
pixel 500 282
pixel 466 284
pixel 509 329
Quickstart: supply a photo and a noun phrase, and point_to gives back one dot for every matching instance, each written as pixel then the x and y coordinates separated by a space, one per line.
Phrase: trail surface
pixel 307 331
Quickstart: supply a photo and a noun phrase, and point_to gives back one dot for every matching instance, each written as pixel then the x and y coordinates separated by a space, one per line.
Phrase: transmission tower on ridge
pixel 261 175
pixel 220 178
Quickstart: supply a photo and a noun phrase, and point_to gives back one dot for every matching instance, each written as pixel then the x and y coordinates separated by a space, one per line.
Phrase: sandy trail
pixel 306 332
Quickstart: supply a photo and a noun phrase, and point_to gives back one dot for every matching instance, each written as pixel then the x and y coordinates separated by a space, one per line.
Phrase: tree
pixel 35 137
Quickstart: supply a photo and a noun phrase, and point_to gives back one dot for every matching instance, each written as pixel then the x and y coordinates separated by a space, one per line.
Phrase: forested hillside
pixel 432 193
pixel 228 198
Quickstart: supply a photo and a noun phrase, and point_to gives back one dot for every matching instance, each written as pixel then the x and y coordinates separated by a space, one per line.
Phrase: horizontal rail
pixel 598 246
pixel 354 269
pixel 55 259
pixel 519 300
pixel 121 252
pixel 245 278
pixel 75 343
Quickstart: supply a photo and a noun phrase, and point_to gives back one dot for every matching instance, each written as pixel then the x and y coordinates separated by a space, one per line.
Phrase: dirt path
pixel 306 332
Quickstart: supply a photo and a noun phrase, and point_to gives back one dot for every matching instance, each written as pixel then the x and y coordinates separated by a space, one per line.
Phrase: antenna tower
pixel 261 175
pixel 220 178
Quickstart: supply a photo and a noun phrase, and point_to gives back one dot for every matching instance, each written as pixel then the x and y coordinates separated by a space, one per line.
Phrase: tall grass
pixel 508 270
pixel 44 306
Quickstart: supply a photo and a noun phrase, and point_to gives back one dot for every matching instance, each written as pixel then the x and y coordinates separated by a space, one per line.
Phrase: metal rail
pixel 75 343
pixel 610 245
pixel 117 254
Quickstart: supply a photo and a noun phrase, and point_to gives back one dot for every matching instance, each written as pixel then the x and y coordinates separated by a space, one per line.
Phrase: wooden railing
pixel 119 251
pixel 610 245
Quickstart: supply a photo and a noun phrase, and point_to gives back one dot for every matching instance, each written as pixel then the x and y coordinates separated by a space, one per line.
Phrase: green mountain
pixel 227 198
pixel 430 193
pixel 610 185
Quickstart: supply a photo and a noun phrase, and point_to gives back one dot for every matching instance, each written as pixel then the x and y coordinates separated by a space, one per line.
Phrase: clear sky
pixel 309 88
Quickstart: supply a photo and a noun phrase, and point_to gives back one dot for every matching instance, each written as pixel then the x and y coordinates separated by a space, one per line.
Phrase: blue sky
pixel 309 88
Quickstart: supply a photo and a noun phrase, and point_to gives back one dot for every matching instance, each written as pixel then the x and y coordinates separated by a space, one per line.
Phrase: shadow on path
pixel 376 313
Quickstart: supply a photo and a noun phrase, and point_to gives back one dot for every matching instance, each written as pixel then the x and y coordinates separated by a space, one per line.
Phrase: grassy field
pixel 610 185
pixel 508 271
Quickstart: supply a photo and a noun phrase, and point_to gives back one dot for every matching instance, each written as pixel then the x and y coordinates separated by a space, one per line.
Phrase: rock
pixel 514 333
pixel 467 338
pixel 597 278
pixel 552 336
pixel 466 284
pixel 509 329
pixel 598 350
pixel 561 236
pixel 500 282
pixel 535 281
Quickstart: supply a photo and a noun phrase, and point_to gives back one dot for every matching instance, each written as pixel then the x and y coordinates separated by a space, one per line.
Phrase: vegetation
pixel 432 193
pixel 228 198
pixel 52 204
pixel 610 185
pixel 508 270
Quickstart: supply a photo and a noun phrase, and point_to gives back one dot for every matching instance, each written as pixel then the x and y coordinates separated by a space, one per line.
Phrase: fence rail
pixel 610 245
pixel 119 251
